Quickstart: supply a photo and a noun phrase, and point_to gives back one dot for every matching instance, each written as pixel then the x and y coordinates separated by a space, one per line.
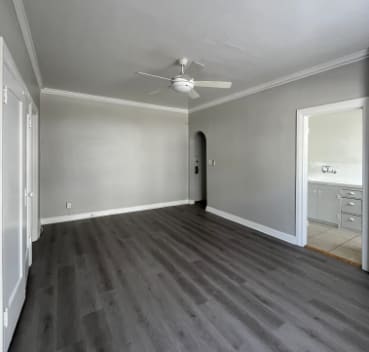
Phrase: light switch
pixel 68 205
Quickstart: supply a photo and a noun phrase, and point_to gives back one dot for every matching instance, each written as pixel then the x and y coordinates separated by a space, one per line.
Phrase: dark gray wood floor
pixel 180 279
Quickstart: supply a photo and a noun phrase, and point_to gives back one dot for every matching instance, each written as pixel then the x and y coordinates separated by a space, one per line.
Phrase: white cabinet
pixel 335 204
pixel 351 208
pixel 324 203
pixel 312 201
pixel 351 222
pixel 328 204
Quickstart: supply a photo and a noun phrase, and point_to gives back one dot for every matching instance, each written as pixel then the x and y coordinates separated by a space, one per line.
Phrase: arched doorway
pixel 199 169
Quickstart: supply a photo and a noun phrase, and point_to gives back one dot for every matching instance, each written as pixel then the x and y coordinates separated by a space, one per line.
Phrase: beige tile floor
pixel 340 242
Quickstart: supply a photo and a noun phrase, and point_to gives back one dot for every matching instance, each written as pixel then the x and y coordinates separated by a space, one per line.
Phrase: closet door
pixel 14 201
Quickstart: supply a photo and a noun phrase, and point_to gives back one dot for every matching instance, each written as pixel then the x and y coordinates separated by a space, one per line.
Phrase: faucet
pixel 327 169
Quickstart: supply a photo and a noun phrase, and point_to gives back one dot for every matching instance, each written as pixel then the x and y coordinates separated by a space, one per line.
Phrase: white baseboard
pixel 191 201
pixel 255 226
pixel 95 214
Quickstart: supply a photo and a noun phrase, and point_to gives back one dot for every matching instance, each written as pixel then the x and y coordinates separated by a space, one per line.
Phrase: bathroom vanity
pixel 339 204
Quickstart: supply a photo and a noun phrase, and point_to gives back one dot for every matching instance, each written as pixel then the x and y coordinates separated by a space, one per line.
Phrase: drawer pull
pixel 351 219
pixel 351 204
pixel 351 193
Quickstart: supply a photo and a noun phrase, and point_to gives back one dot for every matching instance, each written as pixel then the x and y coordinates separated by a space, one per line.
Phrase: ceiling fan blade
pixel 212 84
pixel 155 92
pixel 154 76
pixel 193 94
pixel 194 66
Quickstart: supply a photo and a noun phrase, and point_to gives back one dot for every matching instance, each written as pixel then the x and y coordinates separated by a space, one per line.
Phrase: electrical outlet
pixel 68 205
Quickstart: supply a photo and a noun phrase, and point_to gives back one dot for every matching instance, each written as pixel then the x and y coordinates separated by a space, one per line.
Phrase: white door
pixel 14 239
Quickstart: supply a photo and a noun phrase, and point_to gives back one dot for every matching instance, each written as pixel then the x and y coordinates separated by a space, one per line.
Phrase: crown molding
pixel 116 101
pixel 11 65
pixel 330 65
pixel 327 66
pixel 27 37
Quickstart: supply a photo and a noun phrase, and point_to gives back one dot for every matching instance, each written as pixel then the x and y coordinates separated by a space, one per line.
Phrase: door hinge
pixel 6 317
pixel 5 95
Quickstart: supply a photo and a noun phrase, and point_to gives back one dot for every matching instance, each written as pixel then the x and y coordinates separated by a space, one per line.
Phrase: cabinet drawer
pixel 351 193
pixel 351 222
pixel 351 206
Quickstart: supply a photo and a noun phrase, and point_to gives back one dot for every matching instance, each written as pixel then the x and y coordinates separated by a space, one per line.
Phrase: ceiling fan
pixel 183 83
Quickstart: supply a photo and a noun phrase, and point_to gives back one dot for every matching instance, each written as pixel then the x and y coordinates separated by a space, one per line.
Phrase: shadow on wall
pixel 366 75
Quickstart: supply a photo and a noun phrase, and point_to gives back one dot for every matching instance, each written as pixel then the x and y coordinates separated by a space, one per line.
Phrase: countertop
pixel 336 182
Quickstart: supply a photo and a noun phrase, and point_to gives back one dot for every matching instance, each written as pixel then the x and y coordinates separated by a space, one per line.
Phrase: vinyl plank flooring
pixel 66 313
pixel 205 331
pixel 121 322
pixel 86 288
pixel 182 280
pixel 46 327
pixel 97 332
pixel 77 347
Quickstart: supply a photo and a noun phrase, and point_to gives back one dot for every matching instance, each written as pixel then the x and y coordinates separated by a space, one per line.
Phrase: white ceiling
pixel 95 47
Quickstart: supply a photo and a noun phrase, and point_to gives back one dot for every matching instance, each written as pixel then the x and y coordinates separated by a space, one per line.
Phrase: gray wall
pixel 253 141
pixel 104 156
pixel 11 32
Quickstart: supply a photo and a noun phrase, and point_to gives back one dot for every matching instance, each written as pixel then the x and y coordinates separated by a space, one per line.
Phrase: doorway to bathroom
pixel 332 180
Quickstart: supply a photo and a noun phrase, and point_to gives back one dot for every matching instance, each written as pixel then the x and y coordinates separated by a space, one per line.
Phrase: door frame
pixel 2 59
pixel 32 171
pixel 29 180
pixel 302 128
pixel 35 169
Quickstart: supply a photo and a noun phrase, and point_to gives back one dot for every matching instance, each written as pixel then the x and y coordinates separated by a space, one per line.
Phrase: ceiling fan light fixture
pixel 182 85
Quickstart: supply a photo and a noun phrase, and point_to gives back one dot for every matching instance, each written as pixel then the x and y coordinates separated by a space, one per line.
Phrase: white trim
pixel 99 213
pixel 27 36
pixel 36 180
pixel 255 226
pixel 117 101
pixel 191 201
pixel 2 58
pixel 330 65
pixel 11 65
pixel 302 117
